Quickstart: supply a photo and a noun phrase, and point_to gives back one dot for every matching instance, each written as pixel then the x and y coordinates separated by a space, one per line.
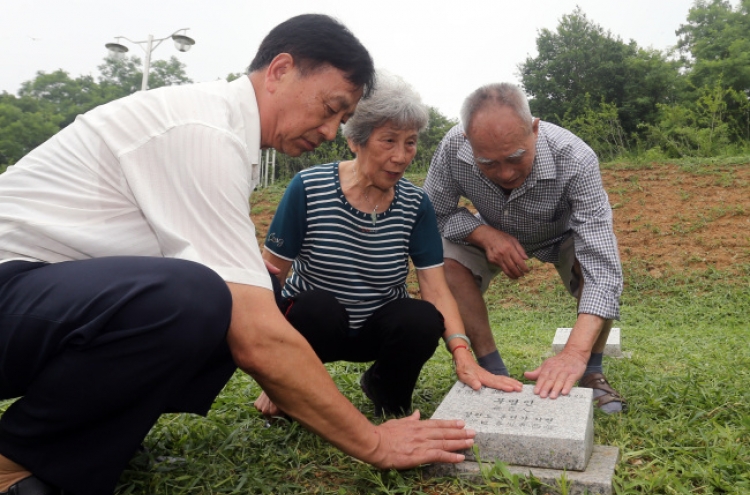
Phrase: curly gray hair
pixel 392 101
pixel 502 94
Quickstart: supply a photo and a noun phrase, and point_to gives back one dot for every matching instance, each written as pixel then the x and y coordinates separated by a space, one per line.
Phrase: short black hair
pixel 314 40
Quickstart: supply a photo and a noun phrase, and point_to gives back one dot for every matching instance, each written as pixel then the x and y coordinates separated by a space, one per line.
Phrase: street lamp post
pixel 182 43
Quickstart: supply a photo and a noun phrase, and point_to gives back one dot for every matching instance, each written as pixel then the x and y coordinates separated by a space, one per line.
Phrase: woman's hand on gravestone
pixel 473 375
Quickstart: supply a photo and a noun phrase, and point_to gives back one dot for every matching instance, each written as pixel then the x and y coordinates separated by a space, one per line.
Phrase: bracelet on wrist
pixel 457 336
pixel 460 346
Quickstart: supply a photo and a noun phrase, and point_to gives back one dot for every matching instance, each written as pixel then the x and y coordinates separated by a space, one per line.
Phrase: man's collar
pixel 245 94
pixel 544 162
pixel 465 153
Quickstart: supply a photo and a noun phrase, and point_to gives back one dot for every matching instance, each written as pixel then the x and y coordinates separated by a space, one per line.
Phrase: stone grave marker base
pixel 596 479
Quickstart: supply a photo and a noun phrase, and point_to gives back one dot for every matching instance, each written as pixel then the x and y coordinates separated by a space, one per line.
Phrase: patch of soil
pixel 666 219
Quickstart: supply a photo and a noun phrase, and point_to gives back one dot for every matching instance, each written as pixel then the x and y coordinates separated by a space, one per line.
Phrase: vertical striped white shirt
pixel 166 172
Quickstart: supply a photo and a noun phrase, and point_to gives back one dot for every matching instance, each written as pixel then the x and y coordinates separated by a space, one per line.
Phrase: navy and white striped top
pixel 336 247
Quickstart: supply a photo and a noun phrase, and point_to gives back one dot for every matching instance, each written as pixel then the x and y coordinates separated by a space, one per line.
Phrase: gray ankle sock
pixel 595 364
pixel 493 363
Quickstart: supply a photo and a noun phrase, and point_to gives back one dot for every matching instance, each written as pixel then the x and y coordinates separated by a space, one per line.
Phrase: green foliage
pixel 698 129
pixel 437 127
pixel 328 152
pixel 25 123
pixel 51 101
pixel 649 101
pixel 652 79
pixel 66 96
pixel 621 98
pixel 121 76
pixel 715 42
pixel 233 75
pixel 600 128
pixel 576 60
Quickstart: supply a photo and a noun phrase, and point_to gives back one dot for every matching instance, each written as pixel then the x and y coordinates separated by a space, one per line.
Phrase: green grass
pixel 687 431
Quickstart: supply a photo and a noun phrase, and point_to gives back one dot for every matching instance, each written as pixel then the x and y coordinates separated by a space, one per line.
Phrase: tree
pixel 25 123
pixel 51 101
pixel 579 58
pixel 699 128
pixel 652 78
pixel 328 152
pixel 67 96
pixel 599 126
pixel 122 76
pixel 167 73
pixel 716 42
pixel 581 62
pixel 437 126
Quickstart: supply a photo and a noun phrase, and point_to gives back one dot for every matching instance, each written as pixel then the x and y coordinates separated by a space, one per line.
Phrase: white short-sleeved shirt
pixel 164 173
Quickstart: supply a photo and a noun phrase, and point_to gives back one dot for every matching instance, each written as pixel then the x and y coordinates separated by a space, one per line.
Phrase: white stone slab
pixel 611 349
pixel 521 428
pixel 595 479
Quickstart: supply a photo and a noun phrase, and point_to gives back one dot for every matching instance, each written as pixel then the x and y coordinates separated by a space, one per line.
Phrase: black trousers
pixel 400 337
pixel 98 350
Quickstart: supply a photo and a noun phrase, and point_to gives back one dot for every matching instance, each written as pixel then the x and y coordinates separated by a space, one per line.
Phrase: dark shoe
pixel 32 486
pixel 604 394
pixel 383 407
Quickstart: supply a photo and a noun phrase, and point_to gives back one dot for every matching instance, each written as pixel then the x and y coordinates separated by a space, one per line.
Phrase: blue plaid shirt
pixel 562 196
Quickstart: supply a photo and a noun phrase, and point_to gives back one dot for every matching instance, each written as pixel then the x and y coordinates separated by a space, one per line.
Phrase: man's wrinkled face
pixel 504 148
pixel 312 107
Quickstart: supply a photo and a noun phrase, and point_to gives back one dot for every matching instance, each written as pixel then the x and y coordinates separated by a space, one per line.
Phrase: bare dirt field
pixel 675 219
pixel 667 218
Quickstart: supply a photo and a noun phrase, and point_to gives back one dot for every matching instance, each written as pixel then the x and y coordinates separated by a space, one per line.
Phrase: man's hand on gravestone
pixel 473 375
pixel 558 374
pixel 408 442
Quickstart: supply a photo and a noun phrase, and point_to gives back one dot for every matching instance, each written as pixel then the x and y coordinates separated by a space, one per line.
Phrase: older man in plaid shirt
pixel 538 192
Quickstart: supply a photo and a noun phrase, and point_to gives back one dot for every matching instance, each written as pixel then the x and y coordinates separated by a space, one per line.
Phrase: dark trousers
pixel 98 350
pixel 400 337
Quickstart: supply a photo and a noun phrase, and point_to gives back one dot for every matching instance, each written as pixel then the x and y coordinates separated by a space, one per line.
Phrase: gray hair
pixel 501 94
pixel 393 101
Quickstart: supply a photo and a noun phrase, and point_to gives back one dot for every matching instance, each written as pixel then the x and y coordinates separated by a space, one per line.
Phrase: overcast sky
pixel 444 49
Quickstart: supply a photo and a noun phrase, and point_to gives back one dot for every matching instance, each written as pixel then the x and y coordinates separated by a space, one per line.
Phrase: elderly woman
pixel 348 230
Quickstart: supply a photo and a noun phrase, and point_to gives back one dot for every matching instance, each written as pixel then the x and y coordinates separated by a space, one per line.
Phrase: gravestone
pixel 549 439
pixel 523 429
pixel 611 349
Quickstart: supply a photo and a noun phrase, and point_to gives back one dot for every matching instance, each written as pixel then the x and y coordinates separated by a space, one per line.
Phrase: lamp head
pixel 182 43
pixel 116 49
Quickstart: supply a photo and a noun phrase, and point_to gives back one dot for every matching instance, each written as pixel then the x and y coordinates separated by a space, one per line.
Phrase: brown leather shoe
pixel 32 486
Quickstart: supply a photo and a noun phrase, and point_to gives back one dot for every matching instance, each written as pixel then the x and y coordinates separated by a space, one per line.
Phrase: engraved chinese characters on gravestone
pixel 522 428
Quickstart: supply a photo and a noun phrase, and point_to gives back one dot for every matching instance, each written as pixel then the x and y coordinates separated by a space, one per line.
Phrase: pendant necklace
pixel 374 214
